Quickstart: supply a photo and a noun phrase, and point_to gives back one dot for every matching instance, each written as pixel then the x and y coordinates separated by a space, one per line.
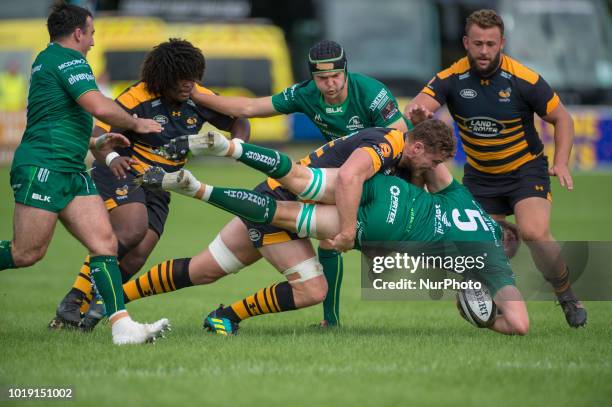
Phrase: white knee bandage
pixel 307 270
pixel 306 221
pixel 316 188
pixel 224 257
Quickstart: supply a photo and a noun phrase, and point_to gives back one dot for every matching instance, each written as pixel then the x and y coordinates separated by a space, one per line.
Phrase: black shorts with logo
pixel 263 235
pixel 116 192
pixel 498 193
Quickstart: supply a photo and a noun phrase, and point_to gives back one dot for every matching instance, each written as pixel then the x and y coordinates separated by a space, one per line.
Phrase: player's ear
pixel 503 43
pixel 465 42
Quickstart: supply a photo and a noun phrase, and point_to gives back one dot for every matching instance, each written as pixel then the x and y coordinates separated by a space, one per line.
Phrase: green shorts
pixel 47 189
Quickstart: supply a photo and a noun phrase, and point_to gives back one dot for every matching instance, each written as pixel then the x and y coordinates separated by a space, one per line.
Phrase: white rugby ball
pixel 476 306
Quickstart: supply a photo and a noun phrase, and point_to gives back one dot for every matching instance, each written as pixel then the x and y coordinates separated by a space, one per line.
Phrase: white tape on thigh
pixel 224 257
pixel 308 269
pixel 306 221
pixel 316 188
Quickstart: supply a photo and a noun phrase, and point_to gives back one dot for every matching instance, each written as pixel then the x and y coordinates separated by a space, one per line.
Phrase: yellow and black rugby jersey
pixel 495 114
pixel 177 120
pixel 385 147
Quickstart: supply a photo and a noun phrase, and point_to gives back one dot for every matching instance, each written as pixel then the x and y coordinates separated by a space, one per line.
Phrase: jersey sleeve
pixel 438 88
pixel 384 108
pixel 384 149
pixel 76 77
pixel 287 101
pixel 219 120
pixel 539 96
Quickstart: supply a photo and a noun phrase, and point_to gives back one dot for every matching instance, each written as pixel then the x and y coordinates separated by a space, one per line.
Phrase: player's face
pixel 418 159
pixel 484 47
pixel 182 91
pixel 331 85
pixel 85 37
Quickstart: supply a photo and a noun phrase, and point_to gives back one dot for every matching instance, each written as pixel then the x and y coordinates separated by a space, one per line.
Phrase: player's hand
pixel 144 126
pixel 342 242
pixel 121 165
pixel 176 149
pixel 111 140
pixel 563 173
pixel 417 114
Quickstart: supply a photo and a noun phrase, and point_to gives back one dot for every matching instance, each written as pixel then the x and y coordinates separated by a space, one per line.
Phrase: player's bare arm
pixel 236 106
pixel 110 112
pixel 562 121
pixel 349 186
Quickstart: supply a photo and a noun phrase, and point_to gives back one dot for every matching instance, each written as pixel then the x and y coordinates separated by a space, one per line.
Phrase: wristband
pixel 110 157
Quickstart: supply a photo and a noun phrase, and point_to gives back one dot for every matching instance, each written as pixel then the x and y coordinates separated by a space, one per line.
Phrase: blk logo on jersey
pixel 484 126
pixel 334 110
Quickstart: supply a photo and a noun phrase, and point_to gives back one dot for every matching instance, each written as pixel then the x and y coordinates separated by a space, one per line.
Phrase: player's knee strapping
pixel 171 275
pixel 306 270
pixel 224 256
pixel 306 221
pixel 316 187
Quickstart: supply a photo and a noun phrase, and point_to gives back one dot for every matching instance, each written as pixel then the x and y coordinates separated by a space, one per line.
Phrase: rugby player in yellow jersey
pixel 169 74
pixel 493 98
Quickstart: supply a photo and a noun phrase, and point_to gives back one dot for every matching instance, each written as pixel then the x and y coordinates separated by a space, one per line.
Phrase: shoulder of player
pixel 457 68
pixel 518 70
pixel 367 84
pixel 135 95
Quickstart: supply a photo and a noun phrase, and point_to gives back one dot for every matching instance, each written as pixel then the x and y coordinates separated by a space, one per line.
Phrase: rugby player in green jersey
pixel 338 102
pixel 415 218
pixel 48 174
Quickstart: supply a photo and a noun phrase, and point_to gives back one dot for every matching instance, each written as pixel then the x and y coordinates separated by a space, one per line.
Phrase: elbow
pixel 99 111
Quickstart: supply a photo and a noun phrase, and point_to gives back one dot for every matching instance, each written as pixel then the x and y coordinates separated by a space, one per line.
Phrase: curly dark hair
pixel 170 62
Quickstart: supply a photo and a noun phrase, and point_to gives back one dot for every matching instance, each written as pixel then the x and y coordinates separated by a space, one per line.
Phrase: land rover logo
pixel 468 93
pixel 161 119
pixel 484 126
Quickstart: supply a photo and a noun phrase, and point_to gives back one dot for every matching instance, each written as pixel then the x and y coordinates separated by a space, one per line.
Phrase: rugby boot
pixel 220 325
pixel 68 313
pixel 129 332
pixel 575 314
pixel 94 314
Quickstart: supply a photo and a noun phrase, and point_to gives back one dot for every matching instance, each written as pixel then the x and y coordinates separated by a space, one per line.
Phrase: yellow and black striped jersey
pixel 495 114
pixel 385 147
pixel 177 120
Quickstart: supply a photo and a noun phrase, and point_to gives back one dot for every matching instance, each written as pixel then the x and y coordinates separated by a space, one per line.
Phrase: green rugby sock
pixel 250 205
pixel 333 268
pixel 6 257
pixel 107 277
pixel 271 162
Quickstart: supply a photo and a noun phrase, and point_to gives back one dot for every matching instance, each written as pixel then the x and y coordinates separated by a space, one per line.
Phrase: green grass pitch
pixel 387 353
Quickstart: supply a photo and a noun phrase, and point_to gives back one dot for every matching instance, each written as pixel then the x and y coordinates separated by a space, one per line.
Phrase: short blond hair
pixel 485 18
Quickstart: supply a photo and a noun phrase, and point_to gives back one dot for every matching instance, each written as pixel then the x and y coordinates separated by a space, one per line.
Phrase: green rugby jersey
pixel 58 129
pixel 392 209
pixel 369 104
